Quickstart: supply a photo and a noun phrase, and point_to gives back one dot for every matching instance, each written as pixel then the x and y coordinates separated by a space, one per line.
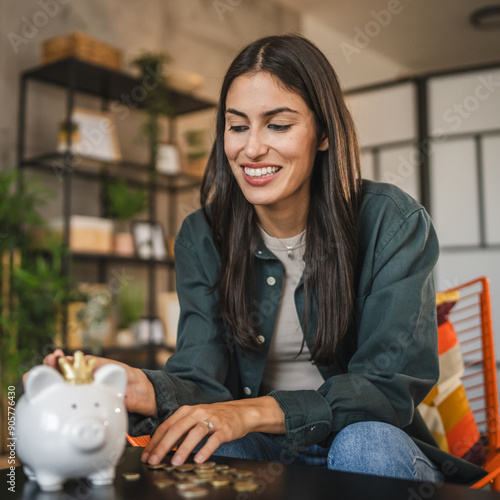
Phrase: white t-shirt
pixel 285 368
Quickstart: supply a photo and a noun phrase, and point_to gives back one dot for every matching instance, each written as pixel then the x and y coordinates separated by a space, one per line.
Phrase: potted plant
pixel 123 204
pixel 196 151
pixel 157 100
pixel 130 302
pixel 64 131
pixel 33 289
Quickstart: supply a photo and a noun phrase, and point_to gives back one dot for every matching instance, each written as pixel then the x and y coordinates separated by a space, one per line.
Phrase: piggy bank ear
pixel 113 376
pixel 40 378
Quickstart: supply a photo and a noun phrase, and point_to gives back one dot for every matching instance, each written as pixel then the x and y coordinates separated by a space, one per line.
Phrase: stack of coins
pixel 131 476
pixel 197 480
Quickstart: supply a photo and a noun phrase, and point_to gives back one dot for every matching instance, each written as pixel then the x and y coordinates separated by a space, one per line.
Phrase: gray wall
pixel 202 36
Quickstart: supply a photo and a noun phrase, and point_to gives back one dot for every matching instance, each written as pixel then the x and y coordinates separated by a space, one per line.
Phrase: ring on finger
pixel 208 424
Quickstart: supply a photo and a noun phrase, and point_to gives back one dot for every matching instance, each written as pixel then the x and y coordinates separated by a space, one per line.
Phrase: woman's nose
pixel 255 146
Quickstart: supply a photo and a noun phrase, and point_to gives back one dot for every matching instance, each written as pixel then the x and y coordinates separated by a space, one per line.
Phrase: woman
pixel 307 302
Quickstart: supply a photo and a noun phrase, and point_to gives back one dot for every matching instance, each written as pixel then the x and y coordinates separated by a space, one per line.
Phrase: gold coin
pixel 220 468
pixel 131 476
pixel 219 481
pixel 185 467
pixel 245 486
pixel 169 467
pixel 205 466
pixel 182 476
pixel 205 473
pixel 183 485
pixel 156 466
pixel 200 479
pixel 195 492
pixel 243 474
pixel 228 471
pixel 164 483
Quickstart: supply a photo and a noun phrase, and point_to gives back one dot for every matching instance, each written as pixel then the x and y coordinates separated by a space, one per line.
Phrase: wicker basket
pixel 83 47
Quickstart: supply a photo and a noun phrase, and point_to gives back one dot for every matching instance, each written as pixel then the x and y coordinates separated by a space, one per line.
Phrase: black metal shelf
pixel 109 257
pixel 142 355
pixel 109 84
pixel 136 348
pixel 135 173
pixel 114 89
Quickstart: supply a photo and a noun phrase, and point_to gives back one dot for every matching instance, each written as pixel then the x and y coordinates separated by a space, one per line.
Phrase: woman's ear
pixel 323 144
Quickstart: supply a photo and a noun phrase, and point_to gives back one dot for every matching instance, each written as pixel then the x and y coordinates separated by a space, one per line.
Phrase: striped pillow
pixel 446 409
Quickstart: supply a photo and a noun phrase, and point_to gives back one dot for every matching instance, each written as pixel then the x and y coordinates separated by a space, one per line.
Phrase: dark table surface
pixel 276 482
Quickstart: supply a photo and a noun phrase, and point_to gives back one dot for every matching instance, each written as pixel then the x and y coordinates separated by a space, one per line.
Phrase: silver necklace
pixel 289 248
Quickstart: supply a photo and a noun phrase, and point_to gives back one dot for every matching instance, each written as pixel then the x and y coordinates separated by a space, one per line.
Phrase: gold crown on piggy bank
pixel 78 372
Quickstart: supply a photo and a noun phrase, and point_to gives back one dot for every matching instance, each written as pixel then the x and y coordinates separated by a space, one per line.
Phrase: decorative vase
pixel 123 244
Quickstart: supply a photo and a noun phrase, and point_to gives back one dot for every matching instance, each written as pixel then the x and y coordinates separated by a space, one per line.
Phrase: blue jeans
pixel 366 447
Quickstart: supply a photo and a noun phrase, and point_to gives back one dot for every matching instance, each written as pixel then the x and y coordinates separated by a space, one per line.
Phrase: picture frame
pixel 93 135
pixel 149 240
pixel 168 161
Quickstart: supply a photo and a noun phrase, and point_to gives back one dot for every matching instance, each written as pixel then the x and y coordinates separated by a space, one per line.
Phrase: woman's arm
pixel 393 362
pixel 229 420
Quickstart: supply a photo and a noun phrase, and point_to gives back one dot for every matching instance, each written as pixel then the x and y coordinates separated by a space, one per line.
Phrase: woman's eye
pixel 238 128
pixel 279 128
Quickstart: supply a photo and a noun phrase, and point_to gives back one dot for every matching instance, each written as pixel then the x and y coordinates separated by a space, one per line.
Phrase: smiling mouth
pixel 261 172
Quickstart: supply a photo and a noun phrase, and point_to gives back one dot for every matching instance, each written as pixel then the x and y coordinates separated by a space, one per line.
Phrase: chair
pixel 141 441
pixel 471 318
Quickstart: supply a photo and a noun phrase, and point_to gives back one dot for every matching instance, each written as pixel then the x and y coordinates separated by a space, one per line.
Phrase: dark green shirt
pixel 383 367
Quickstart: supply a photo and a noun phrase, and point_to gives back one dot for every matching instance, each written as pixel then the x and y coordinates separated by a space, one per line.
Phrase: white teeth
pixel 261 172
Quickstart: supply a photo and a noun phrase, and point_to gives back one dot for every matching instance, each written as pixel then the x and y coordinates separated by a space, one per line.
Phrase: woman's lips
pixel 259 174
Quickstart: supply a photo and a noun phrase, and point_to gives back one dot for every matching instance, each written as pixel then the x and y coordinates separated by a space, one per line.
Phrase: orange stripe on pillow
pixel 447 338
pixel 463 436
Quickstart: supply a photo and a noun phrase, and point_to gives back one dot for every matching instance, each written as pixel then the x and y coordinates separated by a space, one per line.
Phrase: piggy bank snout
pixel 87 434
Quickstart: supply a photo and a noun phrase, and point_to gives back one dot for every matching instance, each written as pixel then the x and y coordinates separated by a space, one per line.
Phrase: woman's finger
pixel 208 449
pixel 153 442
pixel 162 441
pixel 173 431
pixel 51 359
pixel 189 443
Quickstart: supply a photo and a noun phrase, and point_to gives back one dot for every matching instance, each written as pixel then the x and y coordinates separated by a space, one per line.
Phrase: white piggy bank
pixel 71 431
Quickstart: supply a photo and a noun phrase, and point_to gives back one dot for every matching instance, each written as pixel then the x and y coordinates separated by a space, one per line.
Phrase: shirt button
pixel 271 281
pixel 247 391
pixel 261 339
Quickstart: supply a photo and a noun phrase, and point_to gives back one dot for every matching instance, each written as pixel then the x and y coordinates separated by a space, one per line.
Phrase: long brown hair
pixel 330 255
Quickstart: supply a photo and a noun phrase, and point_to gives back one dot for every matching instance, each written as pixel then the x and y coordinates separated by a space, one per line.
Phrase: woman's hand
pixel 223 422
pixel 140 394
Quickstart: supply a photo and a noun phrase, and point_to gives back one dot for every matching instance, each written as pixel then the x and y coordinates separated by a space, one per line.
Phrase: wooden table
pixel 276 482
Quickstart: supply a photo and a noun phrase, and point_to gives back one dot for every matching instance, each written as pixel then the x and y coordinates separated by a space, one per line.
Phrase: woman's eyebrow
pixel 264 114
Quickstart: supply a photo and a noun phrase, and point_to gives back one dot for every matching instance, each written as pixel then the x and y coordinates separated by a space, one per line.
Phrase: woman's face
pixel 270 141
